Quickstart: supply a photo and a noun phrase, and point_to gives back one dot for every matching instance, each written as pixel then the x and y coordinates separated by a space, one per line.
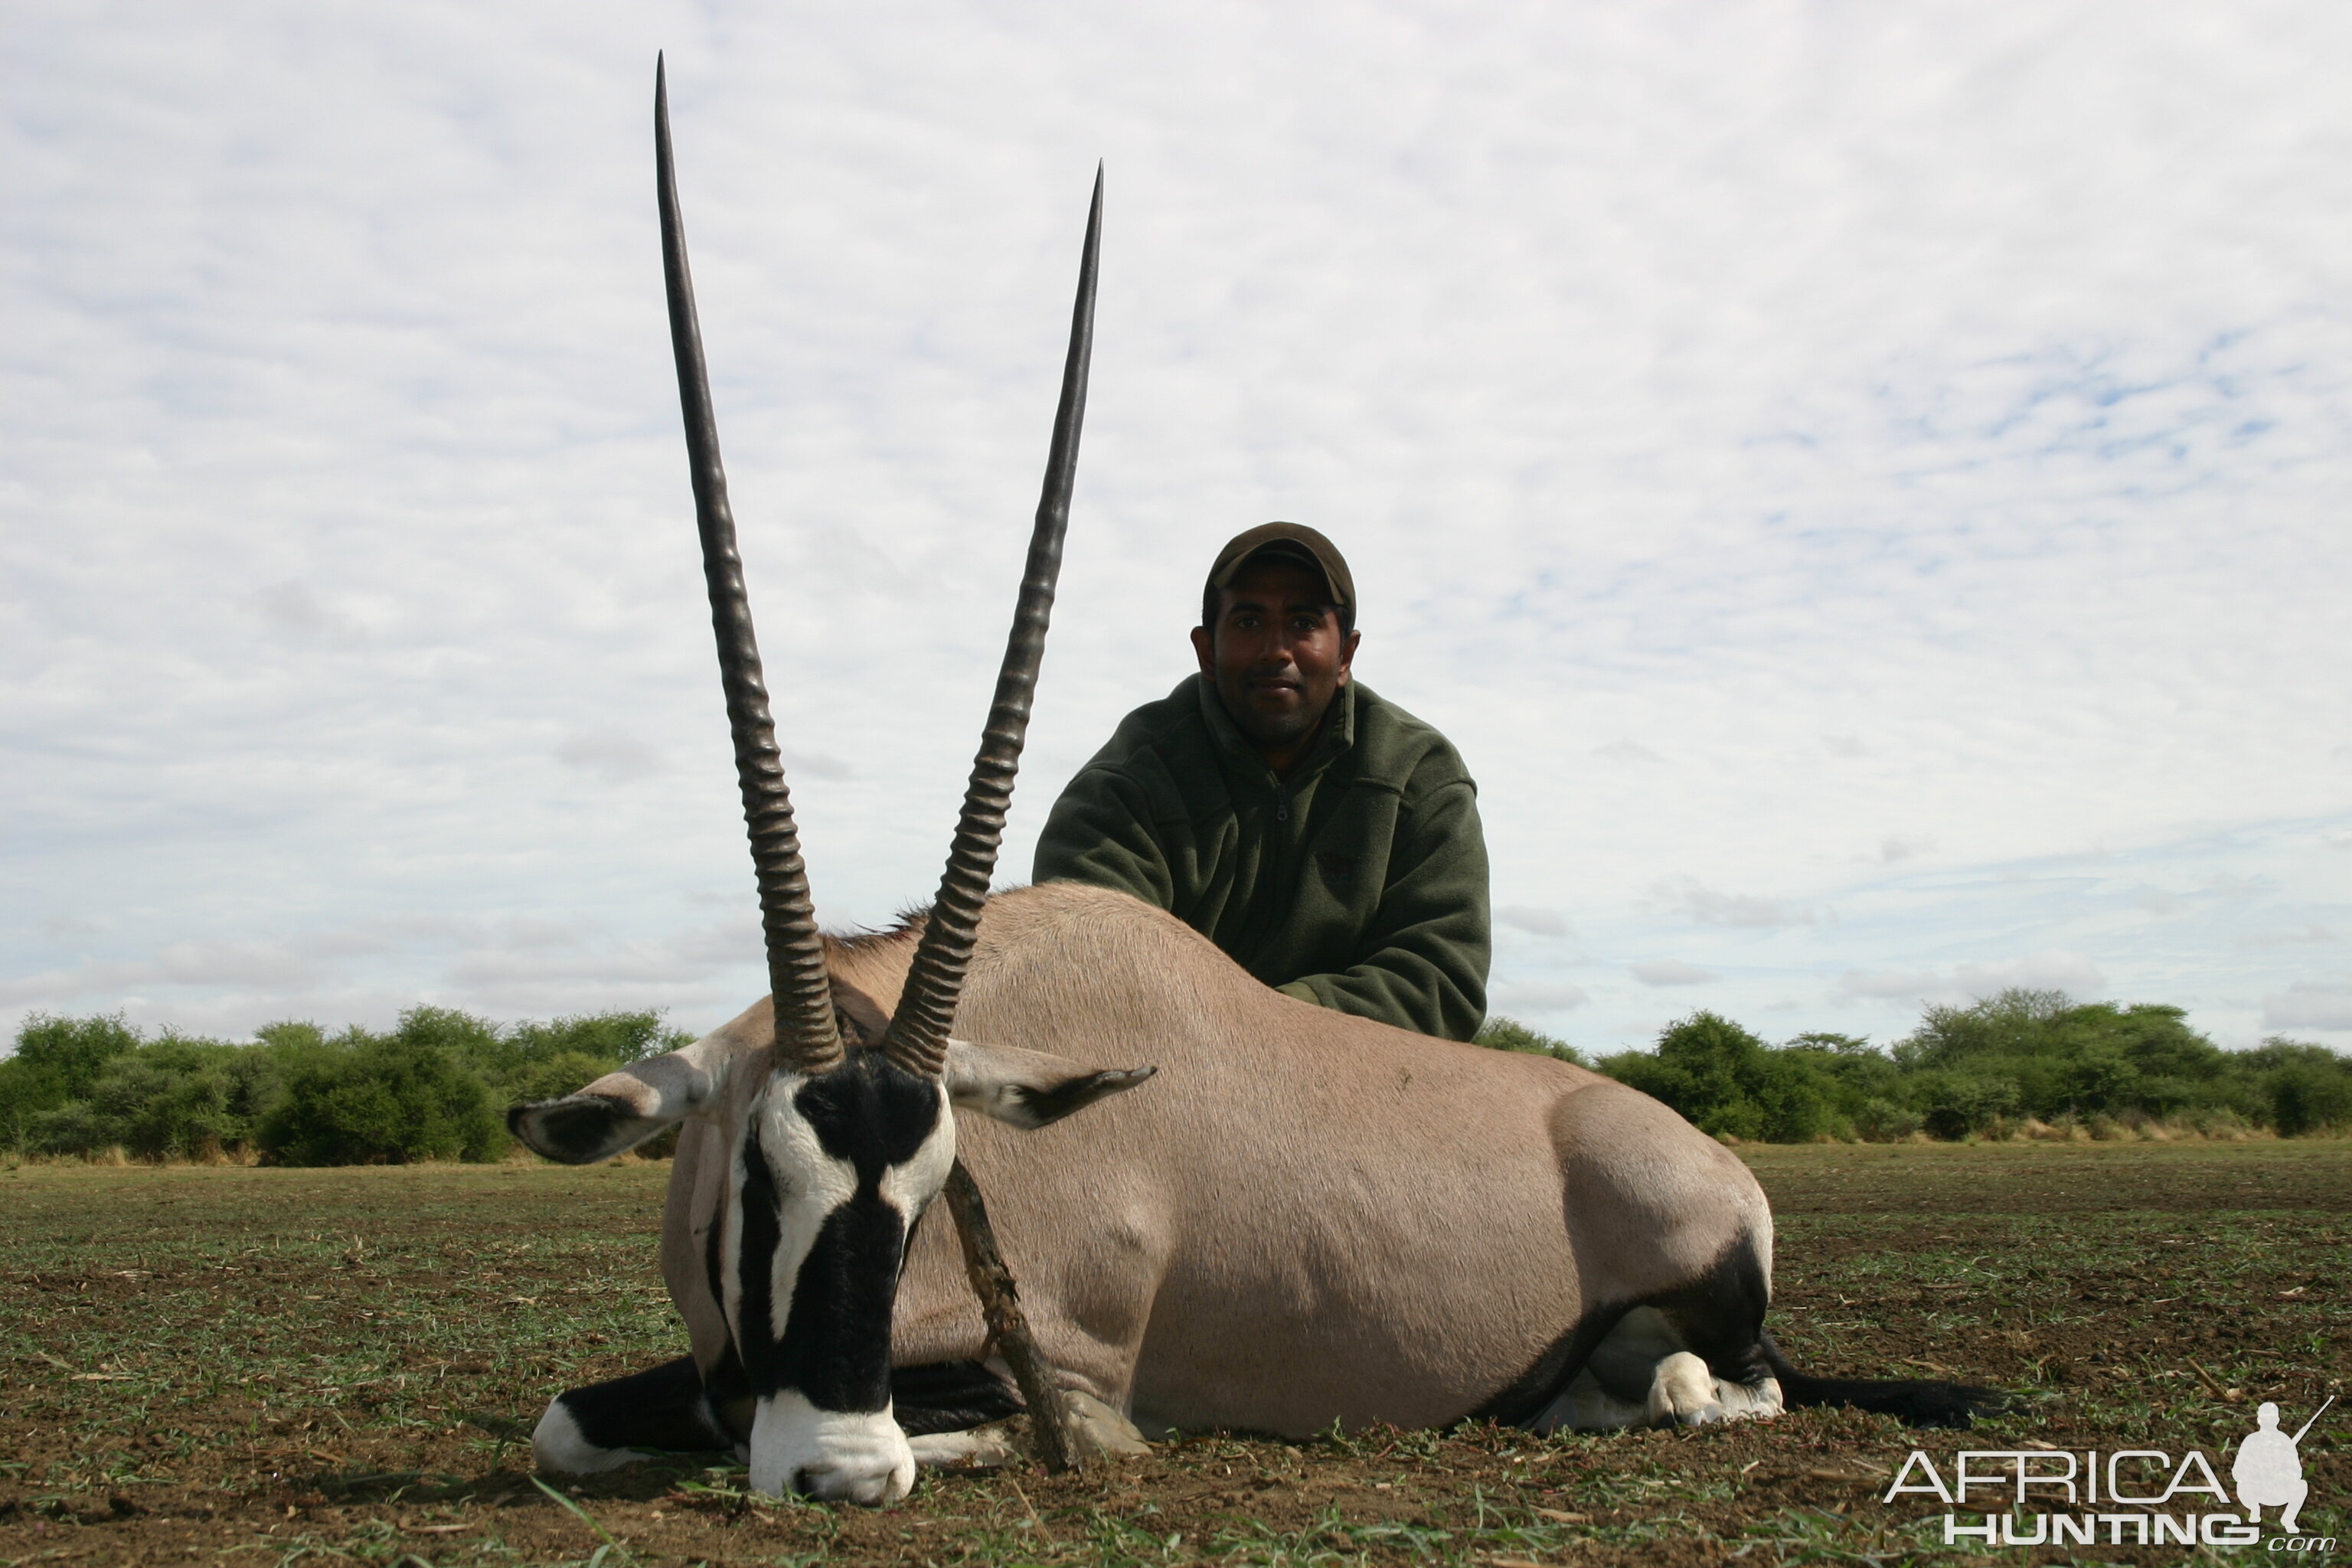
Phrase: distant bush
pixel 382 1102
pixel 1510 1035
pixel 2018 1060
pixel 1729 1083
pixel 58 1061
pixel 436 1088
pixel 2304 1088
pixel 174 1100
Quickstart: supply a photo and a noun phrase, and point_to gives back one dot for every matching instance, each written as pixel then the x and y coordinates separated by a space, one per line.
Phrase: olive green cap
pixel 1297 540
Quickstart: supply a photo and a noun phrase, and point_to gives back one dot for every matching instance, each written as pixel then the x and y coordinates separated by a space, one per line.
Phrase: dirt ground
pixel 267 1366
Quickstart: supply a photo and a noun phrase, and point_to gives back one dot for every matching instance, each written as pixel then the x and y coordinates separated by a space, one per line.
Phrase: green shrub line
pixel 2024 1063
pixel 437 1088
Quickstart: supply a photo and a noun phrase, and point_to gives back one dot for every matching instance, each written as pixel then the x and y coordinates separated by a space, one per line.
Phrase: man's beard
pixel 1270 731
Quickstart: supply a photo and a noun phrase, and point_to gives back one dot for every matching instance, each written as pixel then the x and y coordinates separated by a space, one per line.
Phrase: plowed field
pixel 262 1367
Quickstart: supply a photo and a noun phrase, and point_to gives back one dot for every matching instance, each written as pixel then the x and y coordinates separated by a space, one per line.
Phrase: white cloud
pixel 1526 999
pixel 1897 985
pixel 200 964
pixel 1751 427
pixel 1709 907
pixel 1533 920
pixel 805 763
pixel 687 955
pixel 1671 972
pixel 2054 969
pixel 295 610
pixel 613 758
pixel 2302 937
pixel 527 962
pixel 2310 1004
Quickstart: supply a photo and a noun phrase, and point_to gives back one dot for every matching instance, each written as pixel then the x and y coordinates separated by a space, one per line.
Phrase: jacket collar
pixel 1337 737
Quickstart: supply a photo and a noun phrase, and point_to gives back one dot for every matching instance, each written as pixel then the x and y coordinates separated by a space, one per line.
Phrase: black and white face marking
pixel 830 1175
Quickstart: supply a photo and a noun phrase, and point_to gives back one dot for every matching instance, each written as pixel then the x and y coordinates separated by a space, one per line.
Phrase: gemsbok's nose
pixel 832 1455
pixel 867 1487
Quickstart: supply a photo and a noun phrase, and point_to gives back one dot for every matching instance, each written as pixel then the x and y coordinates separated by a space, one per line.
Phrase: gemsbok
pixel 1304 1218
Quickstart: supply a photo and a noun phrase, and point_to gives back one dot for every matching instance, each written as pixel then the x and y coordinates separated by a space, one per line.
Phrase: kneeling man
pixel 1327 840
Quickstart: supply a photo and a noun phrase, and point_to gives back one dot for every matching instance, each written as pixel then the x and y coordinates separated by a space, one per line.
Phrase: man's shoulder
pixel 1165 749
pixel 1173 722
pixel 1404 751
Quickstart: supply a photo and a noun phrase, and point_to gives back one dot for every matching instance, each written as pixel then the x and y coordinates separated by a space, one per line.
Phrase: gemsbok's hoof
pixel 1682 1392
pixel 987 1447
pixel 1100 1431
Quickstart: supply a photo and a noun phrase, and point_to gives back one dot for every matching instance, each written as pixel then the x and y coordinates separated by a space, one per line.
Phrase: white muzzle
pixel 829 1456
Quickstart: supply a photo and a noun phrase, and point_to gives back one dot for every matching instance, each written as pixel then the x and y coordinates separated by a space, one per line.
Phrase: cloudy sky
pixel 1863 485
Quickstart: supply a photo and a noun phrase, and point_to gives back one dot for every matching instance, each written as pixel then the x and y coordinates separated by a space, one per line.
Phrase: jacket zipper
pixel 1279 878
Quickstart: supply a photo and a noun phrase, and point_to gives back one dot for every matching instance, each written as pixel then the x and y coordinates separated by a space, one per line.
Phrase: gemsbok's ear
pixel 614 1115
pixel 1028 1088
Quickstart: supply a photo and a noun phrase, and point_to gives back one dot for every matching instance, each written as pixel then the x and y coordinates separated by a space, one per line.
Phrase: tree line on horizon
pixel 436 1086
pixel 2021 1062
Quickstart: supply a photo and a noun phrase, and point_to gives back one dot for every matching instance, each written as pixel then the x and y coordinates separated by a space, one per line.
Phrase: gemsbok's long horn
pixel 806 1034
pixel 918 1038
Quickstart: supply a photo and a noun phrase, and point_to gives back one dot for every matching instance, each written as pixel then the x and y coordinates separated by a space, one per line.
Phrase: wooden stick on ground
pixel 1000 1303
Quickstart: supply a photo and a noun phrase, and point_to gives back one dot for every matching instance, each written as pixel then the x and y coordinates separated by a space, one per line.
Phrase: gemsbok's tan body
pixel 1304 1217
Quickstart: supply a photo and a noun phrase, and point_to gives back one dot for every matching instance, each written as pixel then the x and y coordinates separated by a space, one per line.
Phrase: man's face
pixel 1276 655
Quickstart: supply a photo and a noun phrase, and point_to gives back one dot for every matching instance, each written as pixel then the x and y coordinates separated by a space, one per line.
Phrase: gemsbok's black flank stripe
pixel 1525 1397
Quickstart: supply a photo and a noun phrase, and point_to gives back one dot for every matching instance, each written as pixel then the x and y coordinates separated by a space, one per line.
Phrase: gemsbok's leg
pixel 1087 1305
pixel 628 1420
pixel 955 1412
pixel 1618 1385
pixel 1094 1356
pixel 948 1396
pixel 1646 1371
pixel 952 1412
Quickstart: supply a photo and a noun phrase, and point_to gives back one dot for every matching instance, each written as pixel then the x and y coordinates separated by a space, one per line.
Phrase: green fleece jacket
pixel 1359 882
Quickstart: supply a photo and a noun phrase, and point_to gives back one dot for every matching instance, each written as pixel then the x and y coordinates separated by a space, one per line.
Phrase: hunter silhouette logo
pixel 2269 1468
pixel 2132 1497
